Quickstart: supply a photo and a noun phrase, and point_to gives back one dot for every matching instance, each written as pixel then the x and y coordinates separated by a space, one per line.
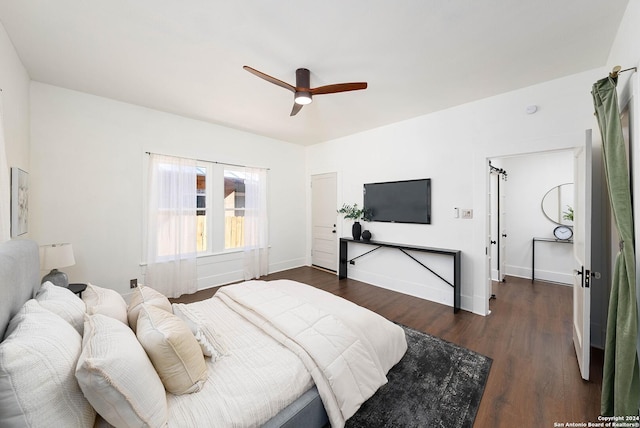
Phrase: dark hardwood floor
pixel 534 379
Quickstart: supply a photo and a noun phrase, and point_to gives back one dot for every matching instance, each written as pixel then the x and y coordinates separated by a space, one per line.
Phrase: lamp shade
pixel 56 256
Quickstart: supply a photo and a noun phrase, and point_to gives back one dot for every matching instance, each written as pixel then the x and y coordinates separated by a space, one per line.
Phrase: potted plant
pixel 568 214
pixel 355 213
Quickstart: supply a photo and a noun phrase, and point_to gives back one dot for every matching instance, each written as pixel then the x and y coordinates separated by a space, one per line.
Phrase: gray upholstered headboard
pixel 19 277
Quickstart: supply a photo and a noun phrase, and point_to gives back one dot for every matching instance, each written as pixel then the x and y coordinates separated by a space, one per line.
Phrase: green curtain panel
pixel 621 375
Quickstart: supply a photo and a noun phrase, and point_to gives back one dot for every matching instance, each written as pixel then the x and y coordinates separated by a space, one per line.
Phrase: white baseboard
pixel 540 274
pixel 226 270
pixel 434 291
pixel 287 264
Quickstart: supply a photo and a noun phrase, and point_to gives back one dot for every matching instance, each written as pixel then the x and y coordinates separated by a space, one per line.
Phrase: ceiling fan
pixel 303 91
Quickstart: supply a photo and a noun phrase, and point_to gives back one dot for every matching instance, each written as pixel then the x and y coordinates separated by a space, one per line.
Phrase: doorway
pixel 517 216
pixel 533 178
pixel 324 237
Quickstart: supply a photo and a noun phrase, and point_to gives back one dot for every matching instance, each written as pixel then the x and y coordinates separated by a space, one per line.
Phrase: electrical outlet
pixel 133 283
pixel 466 213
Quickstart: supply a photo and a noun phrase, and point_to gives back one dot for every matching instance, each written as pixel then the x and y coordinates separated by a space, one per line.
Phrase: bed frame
pixel 19 277
pixel 20 280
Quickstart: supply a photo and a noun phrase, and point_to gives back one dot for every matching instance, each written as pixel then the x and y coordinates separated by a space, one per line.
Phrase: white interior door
pixel 582 252
pixel 493 227
pixel 324 241
pixel 498 232
pixel 502 239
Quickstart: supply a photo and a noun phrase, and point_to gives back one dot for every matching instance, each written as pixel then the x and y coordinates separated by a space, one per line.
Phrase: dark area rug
pixel 436 384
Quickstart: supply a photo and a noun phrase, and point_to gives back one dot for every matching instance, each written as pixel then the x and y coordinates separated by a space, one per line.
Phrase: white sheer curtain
pixel 171 225
pixel 5 186
pixel 256 224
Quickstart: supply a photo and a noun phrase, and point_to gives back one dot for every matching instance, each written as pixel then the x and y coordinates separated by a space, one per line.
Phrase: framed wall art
pixel 19 202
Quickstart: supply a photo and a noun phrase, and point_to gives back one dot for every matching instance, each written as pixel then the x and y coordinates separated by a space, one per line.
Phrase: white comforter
pixel 347 349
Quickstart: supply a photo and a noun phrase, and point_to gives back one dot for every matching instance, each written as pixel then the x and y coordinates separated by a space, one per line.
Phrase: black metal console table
pixel 455 254
pixel 533 250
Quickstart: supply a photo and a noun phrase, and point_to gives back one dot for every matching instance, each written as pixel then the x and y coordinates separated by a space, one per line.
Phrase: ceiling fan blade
pixel 296 108
pixel 270 79
pixel 338 87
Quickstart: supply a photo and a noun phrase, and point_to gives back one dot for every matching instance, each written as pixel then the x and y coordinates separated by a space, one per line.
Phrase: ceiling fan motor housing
pixel 303 81
pixel 302 78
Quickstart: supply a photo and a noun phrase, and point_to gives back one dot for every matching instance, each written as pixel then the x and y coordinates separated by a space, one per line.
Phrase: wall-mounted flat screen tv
pixel 406 201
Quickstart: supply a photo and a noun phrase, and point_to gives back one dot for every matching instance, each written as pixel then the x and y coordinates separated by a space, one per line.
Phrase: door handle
pixel 504 235
pixel 584 279
pixel 333 231
pixel 493 242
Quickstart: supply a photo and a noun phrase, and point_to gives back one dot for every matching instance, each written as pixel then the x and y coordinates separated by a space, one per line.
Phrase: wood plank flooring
pixel 534 379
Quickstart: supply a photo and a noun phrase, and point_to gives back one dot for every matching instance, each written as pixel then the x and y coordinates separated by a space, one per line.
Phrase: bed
pixel 271 354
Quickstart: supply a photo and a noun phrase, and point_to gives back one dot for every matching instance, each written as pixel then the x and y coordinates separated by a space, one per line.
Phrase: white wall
pixel 452 148
pixel 626 53
pixel 529 178
pixel 625 50
pixel 14 82
pixel 87 159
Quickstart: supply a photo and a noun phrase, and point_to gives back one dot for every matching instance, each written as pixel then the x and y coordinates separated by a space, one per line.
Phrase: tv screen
pixel 406 201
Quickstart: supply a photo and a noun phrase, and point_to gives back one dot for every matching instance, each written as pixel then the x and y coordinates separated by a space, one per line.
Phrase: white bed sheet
pixel 256 379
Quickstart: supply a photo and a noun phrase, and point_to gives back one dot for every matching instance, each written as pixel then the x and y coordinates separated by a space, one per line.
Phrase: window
pixel 172 206
pixel 234 196
pixel 220 207
pixel 201 212
pixel 212 216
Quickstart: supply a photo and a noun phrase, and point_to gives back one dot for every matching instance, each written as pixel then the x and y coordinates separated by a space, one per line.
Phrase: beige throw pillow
pixel 105 301
pixel 173 350
pixel 148 296
pixel 117 377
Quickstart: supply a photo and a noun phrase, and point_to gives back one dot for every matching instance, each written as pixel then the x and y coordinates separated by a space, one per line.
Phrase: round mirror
pixel 557 204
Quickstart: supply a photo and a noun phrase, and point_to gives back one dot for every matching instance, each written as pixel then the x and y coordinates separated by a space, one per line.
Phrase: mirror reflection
pixel 557 204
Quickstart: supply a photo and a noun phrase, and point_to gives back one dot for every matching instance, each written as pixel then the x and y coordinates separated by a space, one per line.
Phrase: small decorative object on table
pixel 366 235
pixel 355 213
pixel 568 214
pixel 563 232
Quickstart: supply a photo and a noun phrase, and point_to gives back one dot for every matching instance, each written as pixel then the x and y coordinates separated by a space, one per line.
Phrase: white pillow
pixel 37 364
pixel 63 302
pixel 148 296
pixel 105 301
pixel 117 377
pixel 210 342
pixel 173 350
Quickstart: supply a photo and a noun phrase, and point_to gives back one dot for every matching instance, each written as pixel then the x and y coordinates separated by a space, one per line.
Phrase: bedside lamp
pixel 56 256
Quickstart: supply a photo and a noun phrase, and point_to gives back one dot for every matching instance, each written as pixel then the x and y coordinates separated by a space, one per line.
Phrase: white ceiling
pixel 418 56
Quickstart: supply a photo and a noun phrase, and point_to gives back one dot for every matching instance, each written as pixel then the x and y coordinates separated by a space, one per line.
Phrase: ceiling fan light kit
pixel 303 91
pixel 302 98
